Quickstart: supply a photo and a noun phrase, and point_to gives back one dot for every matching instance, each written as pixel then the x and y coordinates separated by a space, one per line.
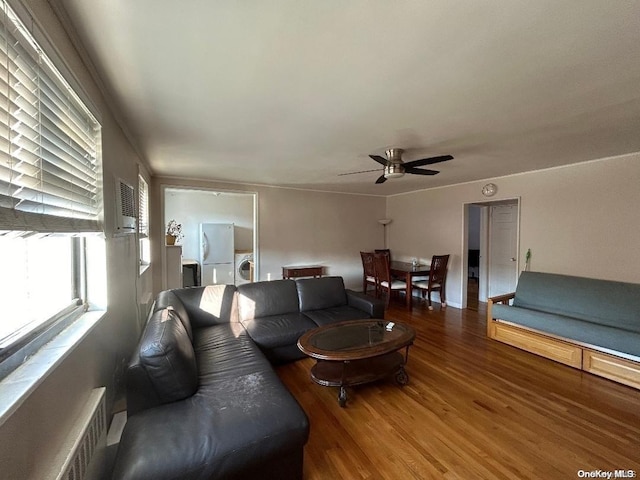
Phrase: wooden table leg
pixel 342 397
pixel 342 394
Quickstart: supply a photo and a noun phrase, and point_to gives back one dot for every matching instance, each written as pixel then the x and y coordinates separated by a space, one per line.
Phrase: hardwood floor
pixel 472 296
pixel 473 408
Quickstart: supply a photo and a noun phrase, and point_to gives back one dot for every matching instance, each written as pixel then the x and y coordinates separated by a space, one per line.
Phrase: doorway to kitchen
pixel 491 246
pixel 197 208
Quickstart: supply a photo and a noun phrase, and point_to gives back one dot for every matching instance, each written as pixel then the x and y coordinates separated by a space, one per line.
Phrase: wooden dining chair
pixel 368 272
pixel 435 281
pixel 386 251
pixel 383 278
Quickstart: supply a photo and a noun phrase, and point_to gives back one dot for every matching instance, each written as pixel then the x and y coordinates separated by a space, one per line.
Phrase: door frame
pixel 483 274
pixel 212 190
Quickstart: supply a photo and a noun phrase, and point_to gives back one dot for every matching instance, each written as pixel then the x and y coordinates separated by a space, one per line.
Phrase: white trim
pixel 261 185
pixel 484 245
pixel 517 174
pixel 256 221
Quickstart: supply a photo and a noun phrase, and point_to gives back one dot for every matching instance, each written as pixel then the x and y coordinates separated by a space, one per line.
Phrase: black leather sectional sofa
pixel 203 400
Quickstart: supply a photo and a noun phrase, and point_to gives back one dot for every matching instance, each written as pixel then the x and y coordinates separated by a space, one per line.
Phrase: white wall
pixel 300 227
pixel 578 220
pixel 193 207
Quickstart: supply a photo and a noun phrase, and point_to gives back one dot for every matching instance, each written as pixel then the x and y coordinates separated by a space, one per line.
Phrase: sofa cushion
pixel 605 302
pixel 209 305
pixel 264 299
pixel 167 357
pixel 335 314
pixel 278 330
pixel 598 335
pixel 249 423
pixel 319 293
pixel 226 351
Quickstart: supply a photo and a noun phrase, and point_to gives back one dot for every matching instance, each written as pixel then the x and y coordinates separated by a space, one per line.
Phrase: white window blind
pixel 143 207
pixel 49 142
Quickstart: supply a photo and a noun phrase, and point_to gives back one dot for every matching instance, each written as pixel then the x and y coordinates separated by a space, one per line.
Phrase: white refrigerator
pixel 217 253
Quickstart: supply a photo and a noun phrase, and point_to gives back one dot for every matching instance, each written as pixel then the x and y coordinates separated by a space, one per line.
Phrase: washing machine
pixel 243 269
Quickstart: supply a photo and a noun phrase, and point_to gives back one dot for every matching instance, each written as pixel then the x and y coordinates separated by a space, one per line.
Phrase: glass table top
pixel 356 338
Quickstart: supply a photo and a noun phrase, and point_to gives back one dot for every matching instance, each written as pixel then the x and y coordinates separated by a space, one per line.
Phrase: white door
pixel 503 249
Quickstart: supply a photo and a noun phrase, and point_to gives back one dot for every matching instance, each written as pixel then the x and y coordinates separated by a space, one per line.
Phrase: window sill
pixel 18 385
pixel 143 268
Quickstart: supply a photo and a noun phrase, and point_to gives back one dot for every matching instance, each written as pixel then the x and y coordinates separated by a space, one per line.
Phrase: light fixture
pixel 394 170
pixel 394 167
pixel 384 222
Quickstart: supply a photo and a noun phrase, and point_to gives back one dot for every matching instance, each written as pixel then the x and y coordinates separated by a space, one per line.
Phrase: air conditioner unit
pixel 125 208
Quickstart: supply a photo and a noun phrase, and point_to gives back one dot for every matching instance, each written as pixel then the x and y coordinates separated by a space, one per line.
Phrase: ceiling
pixel 293 93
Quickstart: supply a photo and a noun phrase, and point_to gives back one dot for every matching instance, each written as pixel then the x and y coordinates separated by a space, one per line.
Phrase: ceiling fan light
pixel 393 170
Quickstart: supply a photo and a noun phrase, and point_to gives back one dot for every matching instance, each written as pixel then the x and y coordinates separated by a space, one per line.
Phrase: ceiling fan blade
pixel 420 171
pixel 361 171
pixel 381 179
pixel 379 159
pixel 428 161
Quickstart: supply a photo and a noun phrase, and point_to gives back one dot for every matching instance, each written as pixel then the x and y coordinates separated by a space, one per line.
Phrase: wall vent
pixel 86 440
pixel 125 208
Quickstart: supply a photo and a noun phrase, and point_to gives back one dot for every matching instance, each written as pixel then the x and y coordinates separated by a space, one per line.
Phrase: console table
pixel 302 271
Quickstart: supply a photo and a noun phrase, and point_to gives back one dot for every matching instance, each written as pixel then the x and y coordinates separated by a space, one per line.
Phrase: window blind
pixel 49 142
pixel 143 207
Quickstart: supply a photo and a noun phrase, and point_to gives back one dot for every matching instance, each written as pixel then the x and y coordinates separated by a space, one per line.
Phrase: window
pixel 37 282
pixel 143 222
pixel 50 189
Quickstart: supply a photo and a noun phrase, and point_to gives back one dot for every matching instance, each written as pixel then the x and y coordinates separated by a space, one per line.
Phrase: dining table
pixel 407 271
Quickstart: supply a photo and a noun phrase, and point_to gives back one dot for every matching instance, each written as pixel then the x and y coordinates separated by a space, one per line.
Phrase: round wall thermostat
pixel 489 189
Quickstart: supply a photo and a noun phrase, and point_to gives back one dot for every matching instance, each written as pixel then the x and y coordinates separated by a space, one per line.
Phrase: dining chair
pixel 435 281
pixel 386 251
pixel 384 282
pixel 368 272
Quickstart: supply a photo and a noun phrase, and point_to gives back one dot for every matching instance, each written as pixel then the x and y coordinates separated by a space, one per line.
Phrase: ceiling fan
pixel 394 167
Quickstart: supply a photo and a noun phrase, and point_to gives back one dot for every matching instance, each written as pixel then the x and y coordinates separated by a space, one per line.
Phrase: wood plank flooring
pixel 473 409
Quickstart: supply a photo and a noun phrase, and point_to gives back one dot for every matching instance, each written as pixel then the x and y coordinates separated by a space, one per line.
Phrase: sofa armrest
pixel 504 299
pixel 374 307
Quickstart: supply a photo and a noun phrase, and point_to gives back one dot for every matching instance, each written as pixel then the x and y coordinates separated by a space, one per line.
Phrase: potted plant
pixel 174 232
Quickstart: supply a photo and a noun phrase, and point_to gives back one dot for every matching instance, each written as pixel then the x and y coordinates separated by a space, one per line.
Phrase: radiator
pixel 86 441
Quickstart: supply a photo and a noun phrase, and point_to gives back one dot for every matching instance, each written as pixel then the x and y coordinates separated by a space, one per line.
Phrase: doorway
pixel 491 246
pixel 192 207
pixel 473 256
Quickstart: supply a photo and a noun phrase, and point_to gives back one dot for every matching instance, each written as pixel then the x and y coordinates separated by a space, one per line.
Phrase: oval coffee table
pixel 356 352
